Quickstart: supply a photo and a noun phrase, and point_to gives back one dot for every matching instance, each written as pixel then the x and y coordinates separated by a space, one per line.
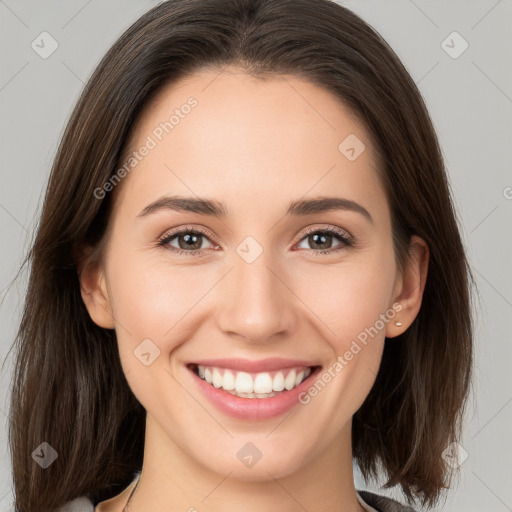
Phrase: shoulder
pixel 81 504
pixel 383 503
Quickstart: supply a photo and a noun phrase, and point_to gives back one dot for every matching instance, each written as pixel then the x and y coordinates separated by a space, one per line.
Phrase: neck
pixel 172 479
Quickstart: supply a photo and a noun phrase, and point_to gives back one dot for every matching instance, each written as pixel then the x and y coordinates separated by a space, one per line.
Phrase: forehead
pixel 235 137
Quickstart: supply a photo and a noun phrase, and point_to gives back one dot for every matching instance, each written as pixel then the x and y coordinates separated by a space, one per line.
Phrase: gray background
pixel 470 101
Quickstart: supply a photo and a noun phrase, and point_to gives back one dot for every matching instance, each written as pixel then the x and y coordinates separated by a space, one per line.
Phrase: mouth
pixel 254 385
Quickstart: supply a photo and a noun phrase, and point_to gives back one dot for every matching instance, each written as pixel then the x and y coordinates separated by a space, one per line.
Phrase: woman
pixel 248 274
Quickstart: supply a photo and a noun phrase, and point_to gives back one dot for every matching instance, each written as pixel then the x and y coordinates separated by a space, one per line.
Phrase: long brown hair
pixel 69 389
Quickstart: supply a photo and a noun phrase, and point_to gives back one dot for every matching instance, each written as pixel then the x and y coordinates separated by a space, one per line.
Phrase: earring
pixel 398 323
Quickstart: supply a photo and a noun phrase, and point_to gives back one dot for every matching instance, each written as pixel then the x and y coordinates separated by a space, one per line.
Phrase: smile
pixel 247 394
pixel 253 385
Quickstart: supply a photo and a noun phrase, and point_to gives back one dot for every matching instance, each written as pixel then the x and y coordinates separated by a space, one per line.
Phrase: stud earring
pixel 398 323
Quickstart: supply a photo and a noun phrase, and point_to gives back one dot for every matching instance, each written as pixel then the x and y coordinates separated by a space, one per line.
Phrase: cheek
pixel 153 300
pixel 350 302
pixel 347 298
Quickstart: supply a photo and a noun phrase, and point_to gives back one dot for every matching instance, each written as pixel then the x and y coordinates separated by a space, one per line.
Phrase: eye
pixel 324 239
pixel 189 241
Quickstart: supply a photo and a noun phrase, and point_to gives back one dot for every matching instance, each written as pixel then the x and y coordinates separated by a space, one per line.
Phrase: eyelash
pixel 347 240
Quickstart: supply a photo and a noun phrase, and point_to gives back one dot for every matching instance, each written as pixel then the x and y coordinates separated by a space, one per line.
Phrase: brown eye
pixel 323 240
pixel 187 240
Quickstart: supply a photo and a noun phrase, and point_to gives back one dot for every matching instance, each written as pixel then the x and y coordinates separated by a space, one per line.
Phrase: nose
pixel 256 303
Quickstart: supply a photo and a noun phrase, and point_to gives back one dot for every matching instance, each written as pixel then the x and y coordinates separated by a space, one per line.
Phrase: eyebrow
pixel 213 208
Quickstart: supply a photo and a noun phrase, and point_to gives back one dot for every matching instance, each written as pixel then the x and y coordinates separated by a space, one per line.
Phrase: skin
pixel 255 146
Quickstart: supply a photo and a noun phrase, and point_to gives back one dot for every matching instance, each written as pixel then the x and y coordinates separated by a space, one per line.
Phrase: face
pixel 260 289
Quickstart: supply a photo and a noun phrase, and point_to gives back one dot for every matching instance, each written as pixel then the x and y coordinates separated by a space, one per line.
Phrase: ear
pixel 93 288
pixel 409 287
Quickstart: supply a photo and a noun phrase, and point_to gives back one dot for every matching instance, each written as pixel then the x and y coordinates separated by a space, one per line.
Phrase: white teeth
pixel 289 382
pixel 278 383
pixel 253 395
pixel 263 383
pixel 216 378
pixel 243 384
pixel 229 381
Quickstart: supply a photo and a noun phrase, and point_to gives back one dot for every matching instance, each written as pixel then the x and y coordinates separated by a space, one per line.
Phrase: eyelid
pixel 185 229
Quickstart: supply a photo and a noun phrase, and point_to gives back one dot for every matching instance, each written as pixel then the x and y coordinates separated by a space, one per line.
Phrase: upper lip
pixel 250 366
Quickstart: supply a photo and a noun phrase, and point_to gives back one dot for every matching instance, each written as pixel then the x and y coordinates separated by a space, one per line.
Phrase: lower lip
pixel 253 408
